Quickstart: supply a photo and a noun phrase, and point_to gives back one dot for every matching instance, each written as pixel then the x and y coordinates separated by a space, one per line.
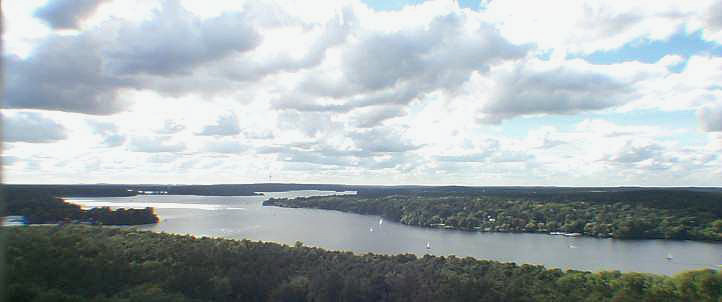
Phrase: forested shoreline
pixel 548 193
pixel 41 207
pixel 86 263
pixel 626 218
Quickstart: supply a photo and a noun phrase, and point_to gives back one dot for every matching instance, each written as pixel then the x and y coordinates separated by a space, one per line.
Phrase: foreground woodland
pixel 93 263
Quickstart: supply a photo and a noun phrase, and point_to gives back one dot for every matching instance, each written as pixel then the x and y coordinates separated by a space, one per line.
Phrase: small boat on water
pixel 566 234
pixel 669 257
pixel 428 245
pixel 381 221
pixel 12 220
pixel 371 230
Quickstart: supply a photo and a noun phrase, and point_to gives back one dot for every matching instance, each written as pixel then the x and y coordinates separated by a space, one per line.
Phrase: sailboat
pixel 669 256
pixel 371 230
pixel 428 245
pixel 381 221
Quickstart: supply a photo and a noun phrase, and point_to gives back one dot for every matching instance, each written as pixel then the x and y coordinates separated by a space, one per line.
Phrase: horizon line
pixel 367 185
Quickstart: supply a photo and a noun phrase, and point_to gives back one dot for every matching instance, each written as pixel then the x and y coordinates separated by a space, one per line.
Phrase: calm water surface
pixel 244 217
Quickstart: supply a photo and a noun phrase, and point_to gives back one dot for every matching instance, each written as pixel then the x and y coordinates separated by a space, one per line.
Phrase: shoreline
pixel 451 228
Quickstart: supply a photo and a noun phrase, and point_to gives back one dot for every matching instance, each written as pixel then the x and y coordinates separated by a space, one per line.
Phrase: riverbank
pixel 246 218
pixel 620 219
pixel 124 264
pixel 30 207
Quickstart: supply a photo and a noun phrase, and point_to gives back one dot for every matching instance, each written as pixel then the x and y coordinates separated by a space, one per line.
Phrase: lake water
pixel 244 217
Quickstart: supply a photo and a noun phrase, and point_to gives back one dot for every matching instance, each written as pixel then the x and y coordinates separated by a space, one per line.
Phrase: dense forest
pixel 648 214
pixel 87 263
pixel 40 207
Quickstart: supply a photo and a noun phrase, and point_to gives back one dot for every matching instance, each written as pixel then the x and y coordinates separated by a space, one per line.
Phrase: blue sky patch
pixel 390 5
pixel 682 43
pixel 676 120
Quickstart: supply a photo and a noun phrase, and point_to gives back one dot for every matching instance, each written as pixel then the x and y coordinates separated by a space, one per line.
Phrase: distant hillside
pixel 555 193
pixel 121 190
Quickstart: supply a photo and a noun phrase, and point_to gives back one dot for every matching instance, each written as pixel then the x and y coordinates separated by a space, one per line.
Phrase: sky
pixel 484 93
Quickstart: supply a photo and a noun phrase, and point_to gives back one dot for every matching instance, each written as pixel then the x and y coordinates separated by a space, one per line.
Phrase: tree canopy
pixel 89 263
pixel 617 215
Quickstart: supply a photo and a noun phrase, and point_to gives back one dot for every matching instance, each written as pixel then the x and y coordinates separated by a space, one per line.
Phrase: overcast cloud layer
pixel 339 92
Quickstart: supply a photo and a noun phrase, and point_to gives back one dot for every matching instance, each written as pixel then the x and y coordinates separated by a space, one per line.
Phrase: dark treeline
pixel 83 263
pixel 131 190
pixel 203 190
pixel 642 214
pixel 71 190
pixel 41 207
pixel 106 216
pixel 539 193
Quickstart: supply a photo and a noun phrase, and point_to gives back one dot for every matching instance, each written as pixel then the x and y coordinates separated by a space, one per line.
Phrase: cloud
pixel 318 39
pixel 402 162
pixel 544 138
pixel 31 127
pixel 315 153
pixel 162 158
pixel 258 133
pixel 311 156
pixel 153 144
pixel 464 158
pixel 170 127
pixel 308 123
pixel 225 146
pixel 713 22
pixel 64 74
pixel 711 118
pixel 442 55
pixel 348 93
pixel 608 129
pixel 67 14
pixel 584 27
pixel 692 88
pixel 175 41
pixel 9 160
pixel 362 154
pixel 226 125
pixel 714 16
pixel 396 67
pixel 120 54
pixel 381 140
pixel 641 158
pixel 314 158
pixel 714 142
pixel 374 116
pixel 539 87
pixel 634 152
pixel 486 151
pixel 111 136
